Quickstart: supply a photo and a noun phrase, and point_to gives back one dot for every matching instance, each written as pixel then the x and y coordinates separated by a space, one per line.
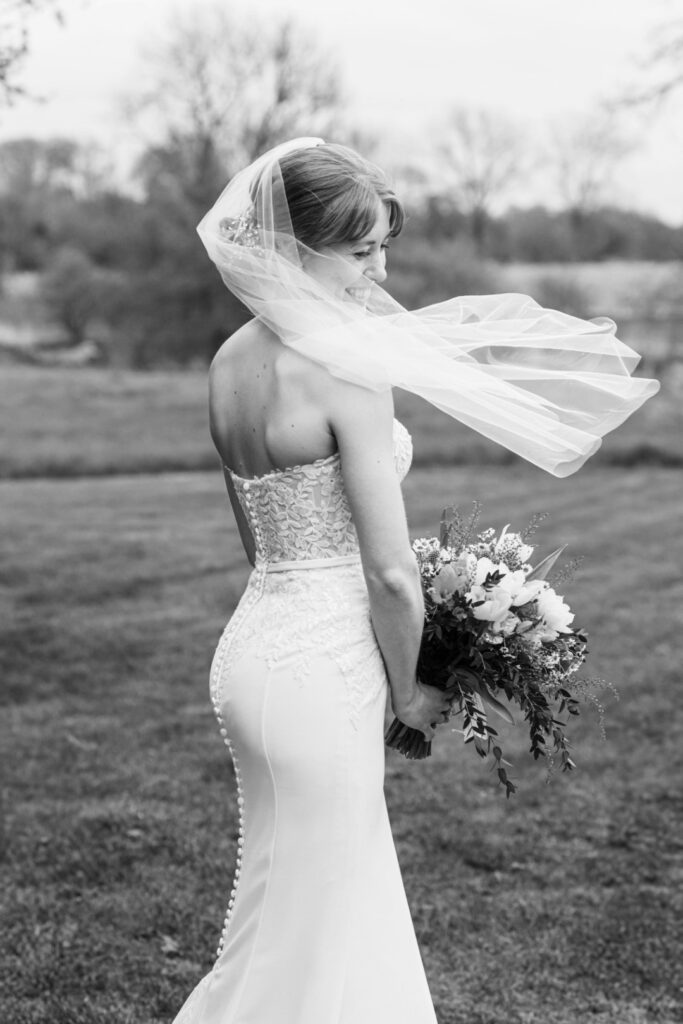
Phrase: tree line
pixel 215 93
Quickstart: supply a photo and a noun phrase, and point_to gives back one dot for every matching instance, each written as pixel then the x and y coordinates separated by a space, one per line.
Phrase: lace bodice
pixel 302 512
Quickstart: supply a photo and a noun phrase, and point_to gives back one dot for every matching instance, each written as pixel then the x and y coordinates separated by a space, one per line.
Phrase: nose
pixel 375 269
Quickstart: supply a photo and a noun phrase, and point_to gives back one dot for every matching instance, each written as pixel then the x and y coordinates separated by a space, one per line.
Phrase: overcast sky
pixel 403 63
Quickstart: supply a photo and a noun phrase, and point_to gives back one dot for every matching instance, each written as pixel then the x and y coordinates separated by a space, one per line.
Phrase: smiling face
pixel 349 269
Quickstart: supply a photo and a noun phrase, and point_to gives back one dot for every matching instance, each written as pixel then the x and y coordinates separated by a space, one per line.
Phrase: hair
pixel 332 193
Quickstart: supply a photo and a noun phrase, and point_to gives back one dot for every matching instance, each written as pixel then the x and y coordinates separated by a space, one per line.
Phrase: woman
pixel 318 929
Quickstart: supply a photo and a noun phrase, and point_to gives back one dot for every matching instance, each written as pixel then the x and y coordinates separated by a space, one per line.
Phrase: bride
pixel 318 929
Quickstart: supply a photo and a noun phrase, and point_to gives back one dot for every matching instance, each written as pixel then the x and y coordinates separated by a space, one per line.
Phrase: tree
pixel 43 183
pixel 222 89
pixel 659 69
pixel 219 91
pixel 585 153
pixel 479 158
pixel 14 42
pixel 71 290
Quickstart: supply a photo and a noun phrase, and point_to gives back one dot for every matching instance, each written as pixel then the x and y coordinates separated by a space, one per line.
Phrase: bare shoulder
pixel 358 410
pixel 255 368
pixel 239 342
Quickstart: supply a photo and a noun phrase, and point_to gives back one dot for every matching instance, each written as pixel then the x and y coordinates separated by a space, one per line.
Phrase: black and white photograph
pixel 341 465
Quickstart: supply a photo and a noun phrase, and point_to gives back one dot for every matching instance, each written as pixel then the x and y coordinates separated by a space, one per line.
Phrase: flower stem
pixel 407 741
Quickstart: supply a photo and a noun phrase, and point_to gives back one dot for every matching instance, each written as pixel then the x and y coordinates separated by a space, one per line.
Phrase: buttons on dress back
pixel 252 516
pixel 215 688
pixel 240 841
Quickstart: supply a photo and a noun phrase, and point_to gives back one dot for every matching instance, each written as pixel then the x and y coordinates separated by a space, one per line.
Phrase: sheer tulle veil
pixel 541 383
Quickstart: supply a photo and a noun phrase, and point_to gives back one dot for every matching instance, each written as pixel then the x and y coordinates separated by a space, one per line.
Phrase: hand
pixel 426 708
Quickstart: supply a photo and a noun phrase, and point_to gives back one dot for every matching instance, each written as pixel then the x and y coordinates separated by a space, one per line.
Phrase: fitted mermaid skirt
pixel 318 929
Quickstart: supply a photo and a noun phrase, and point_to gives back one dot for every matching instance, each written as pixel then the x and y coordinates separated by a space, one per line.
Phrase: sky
pixel 541 62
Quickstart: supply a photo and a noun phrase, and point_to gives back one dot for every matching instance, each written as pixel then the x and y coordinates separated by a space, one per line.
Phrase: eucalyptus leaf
pixel 499 708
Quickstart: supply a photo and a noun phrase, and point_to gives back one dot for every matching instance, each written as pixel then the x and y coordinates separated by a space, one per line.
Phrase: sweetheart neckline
pixel 292 469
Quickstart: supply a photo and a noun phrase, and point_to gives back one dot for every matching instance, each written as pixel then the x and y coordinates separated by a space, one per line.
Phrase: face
pixel 349 269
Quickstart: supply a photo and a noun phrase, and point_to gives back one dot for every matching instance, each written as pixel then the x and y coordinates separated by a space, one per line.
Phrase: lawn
pixel 59 422
pixel 561 905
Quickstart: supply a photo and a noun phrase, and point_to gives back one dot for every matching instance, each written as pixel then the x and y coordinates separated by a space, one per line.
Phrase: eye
pixel 368 252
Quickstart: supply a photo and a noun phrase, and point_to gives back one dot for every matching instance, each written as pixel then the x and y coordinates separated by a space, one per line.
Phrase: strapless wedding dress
pixel 317 929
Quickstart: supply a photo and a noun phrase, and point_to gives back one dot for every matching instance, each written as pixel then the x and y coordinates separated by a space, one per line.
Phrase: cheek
pixel 344 273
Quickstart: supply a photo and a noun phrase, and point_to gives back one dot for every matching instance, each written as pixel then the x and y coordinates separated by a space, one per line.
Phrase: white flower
pixel 513 583
pixel 513 542
pixel 465 566
pixel 540 634
pixel 489 605
pixel 485 567
pixel 453 576
pixel 529 591
pixel 426 545
pixel 555 613
pixel 508 626
pixel 445 584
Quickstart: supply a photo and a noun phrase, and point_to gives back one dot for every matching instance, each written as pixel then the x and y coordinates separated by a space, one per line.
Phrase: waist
pixel 307 563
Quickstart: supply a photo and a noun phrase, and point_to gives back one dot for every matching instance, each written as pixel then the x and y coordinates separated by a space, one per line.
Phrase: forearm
pixel 397 612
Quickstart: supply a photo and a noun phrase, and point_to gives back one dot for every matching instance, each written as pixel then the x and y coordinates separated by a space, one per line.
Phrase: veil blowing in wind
pixel 544 384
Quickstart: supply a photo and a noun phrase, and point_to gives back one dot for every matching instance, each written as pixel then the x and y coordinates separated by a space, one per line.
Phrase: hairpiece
pixel 242 230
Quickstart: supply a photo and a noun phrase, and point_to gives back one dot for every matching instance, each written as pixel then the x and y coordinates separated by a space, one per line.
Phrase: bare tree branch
pixel 14 42
pixel 659 70
pixel 223 89
pixel 585 154
pixel 480 156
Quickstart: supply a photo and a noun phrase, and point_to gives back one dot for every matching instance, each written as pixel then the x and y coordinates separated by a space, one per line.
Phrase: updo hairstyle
pixel 332 194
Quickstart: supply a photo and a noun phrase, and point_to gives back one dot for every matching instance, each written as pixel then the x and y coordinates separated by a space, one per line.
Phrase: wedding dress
pixel 318 929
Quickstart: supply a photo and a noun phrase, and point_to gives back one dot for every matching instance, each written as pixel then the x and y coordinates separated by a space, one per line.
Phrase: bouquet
pixel 495 628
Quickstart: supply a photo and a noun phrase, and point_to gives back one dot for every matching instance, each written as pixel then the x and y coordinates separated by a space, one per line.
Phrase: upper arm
pixel 362 421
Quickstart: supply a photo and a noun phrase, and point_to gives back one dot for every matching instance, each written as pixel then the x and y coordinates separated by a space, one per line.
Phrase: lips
pixel 361 295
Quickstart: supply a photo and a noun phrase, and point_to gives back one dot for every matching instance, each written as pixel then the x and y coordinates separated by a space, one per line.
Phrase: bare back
pixel 266 404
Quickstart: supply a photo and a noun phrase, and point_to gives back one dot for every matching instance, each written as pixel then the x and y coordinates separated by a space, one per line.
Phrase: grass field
pixel 63 422
pixel 562 905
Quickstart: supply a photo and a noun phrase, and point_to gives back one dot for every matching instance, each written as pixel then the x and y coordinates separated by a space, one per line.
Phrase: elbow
pixel 396 580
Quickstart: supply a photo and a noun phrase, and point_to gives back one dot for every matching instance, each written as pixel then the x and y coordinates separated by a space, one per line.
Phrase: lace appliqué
pixel 297 614
pixel 298 514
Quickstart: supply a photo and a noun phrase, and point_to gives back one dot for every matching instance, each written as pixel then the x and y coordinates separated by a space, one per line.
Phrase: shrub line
pixel 638 455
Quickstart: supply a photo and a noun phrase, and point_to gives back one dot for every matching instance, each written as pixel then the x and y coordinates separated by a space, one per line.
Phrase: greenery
pixel 127 267
pixel 488 636
pixel 563 905
pixel 121 563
